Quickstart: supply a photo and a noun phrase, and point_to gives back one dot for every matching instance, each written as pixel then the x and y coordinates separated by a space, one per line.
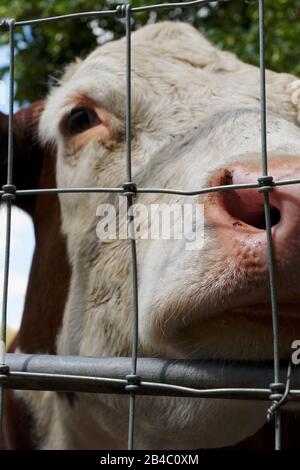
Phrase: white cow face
pixel 196 123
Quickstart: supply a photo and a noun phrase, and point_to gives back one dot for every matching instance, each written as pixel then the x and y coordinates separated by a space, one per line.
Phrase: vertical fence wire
pixel 128 92
pixel 266 182
pixel 262 70
pixel 7 198
pixel 132 379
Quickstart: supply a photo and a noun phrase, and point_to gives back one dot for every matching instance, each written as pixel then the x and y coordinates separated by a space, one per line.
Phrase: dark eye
pixel 81 119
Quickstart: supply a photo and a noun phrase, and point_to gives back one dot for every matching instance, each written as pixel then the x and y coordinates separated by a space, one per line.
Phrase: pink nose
pixel 239 220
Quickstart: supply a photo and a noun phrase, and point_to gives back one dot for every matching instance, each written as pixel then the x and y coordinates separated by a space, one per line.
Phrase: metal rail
pixel 171 377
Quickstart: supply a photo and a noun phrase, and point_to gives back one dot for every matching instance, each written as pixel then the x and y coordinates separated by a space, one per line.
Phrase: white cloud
pixel 17 284
pixel 16 294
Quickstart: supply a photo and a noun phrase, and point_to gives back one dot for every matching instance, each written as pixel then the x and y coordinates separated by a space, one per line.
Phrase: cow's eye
pixel 81 119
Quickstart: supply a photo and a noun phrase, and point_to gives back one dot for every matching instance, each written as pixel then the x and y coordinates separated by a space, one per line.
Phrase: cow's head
pixel 196 123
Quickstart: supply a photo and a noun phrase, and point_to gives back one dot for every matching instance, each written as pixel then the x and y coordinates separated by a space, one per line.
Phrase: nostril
pixel 275 216
pixel 247 206
pixel 261 221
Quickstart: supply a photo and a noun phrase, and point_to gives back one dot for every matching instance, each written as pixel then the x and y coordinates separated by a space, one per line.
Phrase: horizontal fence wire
pixel 179 192
pixel 135 376
pixel 116 12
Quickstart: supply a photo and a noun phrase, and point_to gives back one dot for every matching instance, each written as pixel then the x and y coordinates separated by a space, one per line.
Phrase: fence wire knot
pixel 130 189
pixel 9 192
pixel 279 395
pixel 121 10
pixel 7 23
pixel 133 383
pixel 4 371
pixel 266 184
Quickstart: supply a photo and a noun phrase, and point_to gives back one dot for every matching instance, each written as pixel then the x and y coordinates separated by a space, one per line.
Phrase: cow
pixel 195 123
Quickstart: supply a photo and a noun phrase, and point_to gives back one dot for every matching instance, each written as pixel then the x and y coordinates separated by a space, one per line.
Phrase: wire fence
pixel 147 376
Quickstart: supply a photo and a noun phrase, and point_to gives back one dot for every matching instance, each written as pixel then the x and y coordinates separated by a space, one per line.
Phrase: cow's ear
pixel 3 147
pixel 28 152
pixel 3 124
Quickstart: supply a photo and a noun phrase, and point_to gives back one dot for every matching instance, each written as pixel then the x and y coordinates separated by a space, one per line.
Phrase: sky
pixel 22 241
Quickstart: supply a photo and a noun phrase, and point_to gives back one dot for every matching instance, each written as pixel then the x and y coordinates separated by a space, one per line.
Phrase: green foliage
pixel 43 51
